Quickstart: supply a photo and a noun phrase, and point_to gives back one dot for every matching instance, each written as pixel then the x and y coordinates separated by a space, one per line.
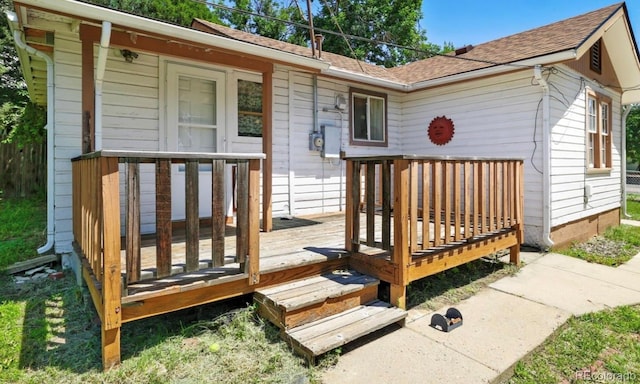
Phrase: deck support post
pixel 401 241
pixel 111 279
pixel 398 295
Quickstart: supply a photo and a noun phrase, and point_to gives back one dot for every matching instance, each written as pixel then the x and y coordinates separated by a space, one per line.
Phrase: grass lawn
pixel 51 332
pixel 602 347
pixel 617 246
pixel 633 206
pixel 23 229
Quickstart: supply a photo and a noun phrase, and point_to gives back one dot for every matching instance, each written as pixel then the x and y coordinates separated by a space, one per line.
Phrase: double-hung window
pixel 598 131
pixel 368 118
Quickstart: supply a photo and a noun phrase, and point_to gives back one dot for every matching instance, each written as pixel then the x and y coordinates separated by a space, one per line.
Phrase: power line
pixel 354 37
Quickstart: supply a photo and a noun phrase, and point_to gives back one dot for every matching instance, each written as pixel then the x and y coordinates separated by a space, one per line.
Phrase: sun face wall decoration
pixel 440 130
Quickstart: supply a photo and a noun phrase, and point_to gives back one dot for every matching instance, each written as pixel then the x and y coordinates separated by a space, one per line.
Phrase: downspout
pixel 103 53
pixel 50 127
pixel 623 160
pixel 546 158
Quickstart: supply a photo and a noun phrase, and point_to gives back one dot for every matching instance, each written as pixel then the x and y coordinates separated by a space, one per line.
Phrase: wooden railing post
pixel 133 238
pixel 163 217
pixel 514 254
pixel 253 237
pixel 352 203
pixel 218 221
pixel 192 225
pixel 400 255
pixel 111 280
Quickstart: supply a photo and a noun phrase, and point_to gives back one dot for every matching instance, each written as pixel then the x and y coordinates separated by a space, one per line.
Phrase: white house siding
pixel 318 184
pixel 568 156
pixel 493 117
pixel 68 123
pixel 130 122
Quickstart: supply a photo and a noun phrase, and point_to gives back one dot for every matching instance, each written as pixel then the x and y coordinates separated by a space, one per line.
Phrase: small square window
pixel 368 118
pixel 249 108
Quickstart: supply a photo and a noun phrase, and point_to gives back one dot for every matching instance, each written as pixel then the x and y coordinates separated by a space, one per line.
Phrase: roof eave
pixel 93 12
pixel 364 78
pixel 498 69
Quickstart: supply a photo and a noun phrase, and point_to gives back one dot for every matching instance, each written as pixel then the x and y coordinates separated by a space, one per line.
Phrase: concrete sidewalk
pixel 502 324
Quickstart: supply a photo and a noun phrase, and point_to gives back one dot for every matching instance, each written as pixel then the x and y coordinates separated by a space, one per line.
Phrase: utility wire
pixel 354 37
pixel 335 21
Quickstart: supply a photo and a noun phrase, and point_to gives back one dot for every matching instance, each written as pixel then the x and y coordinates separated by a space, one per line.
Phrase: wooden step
pixel 318 337
pixel 303 301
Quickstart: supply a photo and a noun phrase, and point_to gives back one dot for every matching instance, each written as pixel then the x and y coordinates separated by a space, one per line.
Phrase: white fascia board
pixel 363 78
pixel 92 12
pixel 631 97
pixel 497 69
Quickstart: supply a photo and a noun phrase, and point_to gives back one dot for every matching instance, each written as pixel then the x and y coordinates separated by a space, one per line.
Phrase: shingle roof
pixel 339 61
pixel 557 37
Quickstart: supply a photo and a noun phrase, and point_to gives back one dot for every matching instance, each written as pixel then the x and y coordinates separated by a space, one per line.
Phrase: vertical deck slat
pixel 217 213
pixel 476 198
pixel 350 204
pixel 370 190
pixel 483 199
pixel 242 213
pixel 456 201
pixel 492 195
pixel 163 217
pixel 192 224
pixel 436 176
pixel 386 204
pixel 253 217
pixel 426 209
pixel 413 206
pixel 355 209
pixel 467 199
pixel 511 175
pixel 447 202
pixel 97 213
pixel 133 240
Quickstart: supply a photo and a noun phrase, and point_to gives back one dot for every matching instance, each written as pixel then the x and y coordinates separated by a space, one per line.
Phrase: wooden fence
pixel 23 171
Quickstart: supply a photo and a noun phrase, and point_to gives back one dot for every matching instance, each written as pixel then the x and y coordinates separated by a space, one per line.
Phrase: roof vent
pixel 462 50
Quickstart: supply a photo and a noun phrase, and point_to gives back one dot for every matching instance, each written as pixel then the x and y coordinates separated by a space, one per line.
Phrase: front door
pixel 195 122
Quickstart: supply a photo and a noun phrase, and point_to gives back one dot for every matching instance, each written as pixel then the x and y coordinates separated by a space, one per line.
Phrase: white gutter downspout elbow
pixel 623 160
pixel 546 158
pixel 103 53
pixel 50 127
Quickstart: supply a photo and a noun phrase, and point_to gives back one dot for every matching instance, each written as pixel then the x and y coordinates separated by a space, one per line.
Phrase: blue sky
pixel 465 22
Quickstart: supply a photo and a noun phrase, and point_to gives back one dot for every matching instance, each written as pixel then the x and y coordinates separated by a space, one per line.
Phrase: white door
pixel 195 123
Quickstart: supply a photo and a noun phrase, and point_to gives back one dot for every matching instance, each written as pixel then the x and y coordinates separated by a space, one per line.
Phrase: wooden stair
pixel 324 312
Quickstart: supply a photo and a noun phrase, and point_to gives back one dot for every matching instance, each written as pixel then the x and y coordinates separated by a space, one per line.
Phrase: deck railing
pixel 97 217
pixel 417 205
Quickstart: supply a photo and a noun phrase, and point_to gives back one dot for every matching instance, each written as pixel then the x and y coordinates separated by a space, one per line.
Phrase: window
pixel 595 57
pixel 598 131
pixel 368 118
pixel 249 108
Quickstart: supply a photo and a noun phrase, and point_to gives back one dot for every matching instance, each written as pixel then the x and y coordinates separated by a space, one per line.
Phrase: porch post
pixel 400 255
pixel 88 92
pixel 267 149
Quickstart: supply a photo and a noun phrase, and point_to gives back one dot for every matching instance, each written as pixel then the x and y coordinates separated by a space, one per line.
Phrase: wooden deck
pixel 406 218
pixel 293 243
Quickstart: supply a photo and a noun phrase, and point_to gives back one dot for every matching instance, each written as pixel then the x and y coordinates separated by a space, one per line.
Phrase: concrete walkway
pixel 502 324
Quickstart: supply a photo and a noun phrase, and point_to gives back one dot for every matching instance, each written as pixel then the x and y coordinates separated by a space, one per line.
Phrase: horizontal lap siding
pixel 319 184
pixel 569 152
pixel 493 117
pixel 68 122
pixel 130 107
